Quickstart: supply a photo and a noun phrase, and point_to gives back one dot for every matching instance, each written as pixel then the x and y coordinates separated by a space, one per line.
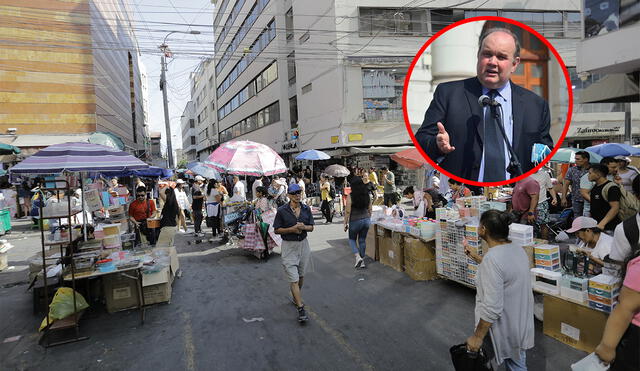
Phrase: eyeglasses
pixel 141 194
pixel 297 193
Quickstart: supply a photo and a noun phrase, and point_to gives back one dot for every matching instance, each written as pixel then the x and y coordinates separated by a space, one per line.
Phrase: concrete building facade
pixel 71 67
pixel 329 74
pixel 188 130
pixel 203 101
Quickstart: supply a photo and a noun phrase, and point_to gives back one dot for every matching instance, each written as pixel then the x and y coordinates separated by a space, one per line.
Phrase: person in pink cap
pixel 593 243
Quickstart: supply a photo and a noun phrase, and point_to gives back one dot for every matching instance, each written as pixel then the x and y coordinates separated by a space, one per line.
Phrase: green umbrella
pixel 568 155
pixel 8 149
pixel 107 139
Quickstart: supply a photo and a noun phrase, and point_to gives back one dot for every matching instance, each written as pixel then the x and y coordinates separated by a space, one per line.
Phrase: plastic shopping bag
pixel 62 305
pixel 589 363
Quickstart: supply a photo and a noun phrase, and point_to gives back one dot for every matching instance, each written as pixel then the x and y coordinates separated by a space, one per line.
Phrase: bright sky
pixel 155 19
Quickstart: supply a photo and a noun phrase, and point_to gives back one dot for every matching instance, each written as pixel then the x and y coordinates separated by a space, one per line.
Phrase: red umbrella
pixel 409 158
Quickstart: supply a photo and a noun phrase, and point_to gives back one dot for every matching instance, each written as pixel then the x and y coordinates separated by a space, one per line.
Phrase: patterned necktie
pixel 494 164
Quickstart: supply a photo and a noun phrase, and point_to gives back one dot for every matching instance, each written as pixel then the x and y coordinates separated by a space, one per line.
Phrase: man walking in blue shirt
pixel 293 220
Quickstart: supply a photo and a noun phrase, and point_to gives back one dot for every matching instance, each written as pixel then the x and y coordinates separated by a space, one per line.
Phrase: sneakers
pixel 359 262
pixel 362 265
pixel 302 315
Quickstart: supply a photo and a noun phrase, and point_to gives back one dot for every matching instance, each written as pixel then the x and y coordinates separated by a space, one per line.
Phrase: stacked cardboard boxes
pixel 547 257
pixel 392 251
pixel 603 292
pixel 574 288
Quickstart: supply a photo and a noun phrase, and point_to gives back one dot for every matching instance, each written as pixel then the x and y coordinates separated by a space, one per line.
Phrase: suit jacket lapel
pixel 473 91
pixel 517 109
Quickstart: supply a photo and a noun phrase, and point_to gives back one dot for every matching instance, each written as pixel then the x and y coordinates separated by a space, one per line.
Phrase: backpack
pixel 332 191
pixel 629 204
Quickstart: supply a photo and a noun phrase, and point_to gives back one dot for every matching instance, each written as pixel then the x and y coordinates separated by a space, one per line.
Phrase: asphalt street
pixel 230 311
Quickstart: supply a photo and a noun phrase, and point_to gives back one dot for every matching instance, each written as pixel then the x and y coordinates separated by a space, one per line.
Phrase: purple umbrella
pixel 77 156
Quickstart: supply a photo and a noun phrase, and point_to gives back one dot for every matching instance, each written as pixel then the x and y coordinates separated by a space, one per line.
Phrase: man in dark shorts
pixel 605 198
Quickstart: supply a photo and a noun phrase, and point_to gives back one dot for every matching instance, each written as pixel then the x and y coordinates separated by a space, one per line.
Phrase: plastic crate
pixel 5 219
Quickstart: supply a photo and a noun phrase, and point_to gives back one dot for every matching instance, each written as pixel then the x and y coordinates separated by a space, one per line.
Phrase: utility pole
pixel 165 103
pixel 163 86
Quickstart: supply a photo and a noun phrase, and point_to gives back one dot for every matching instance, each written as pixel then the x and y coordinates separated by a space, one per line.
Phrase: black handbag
pixel 465 360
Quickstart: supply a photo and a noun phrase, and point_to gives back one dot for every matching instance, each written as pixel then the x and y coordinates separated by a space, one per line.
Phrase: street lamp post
pixel 163 87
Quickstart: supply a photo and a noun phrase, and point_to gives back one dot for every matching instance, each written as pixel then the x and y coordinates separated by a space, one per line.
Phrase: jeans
pixel 358 230
pixel 519 365
pixel 197 221
pixel 327 210
pixel 578 209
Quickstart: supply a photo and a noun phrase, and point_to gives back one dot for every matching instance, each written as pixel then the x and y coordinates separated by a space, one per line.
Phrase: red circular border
pixel 406 87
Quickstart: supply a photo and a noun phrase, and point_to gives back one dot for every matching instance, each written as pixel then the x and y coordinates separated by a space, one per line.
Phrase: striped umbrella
pixel 77 156
pixel 244 157
pixel 200 168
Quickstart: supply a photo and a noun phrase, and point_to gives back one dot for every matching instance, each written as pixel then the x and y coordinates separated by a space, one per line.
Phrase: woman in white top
pixel 593 243
pixel 214 201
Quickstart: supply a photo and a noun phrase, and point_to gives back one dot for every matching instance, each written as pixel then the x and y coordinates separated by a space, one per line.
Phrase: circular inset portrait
pixel 499 102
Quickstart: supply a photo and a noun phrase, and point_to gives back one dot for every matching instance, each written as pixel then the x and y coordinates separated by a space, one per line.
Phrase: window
pixel 288 23
pixel 574 25
pixel 192 123
pixel 257 8
pixel 193 140
pixel 293 111
pixel 266 77
pixel 382 93
pixel 578 85
pixel 291 67
pixel 441 18
pixel 305 36
pixel 261 42
pixel 392 21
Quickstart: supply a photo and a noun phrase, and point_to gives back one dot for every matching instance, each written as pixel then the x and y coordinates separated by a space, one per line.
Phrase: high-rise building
pixel 70 67
pixel 329 74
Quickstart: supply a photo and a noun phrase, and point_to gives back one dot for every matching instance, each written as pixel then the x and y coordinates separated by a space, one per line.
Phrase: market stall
pixel 128 275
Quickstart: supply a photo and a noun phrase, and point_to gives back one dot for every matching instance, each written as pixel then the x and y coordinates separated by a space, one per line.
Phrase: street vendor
pixel 140 210
pixel 593 243
pixel 293 220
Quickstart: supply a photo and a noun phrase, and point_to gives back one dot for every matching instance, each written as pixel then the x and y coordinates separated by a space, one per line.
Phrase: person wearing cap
pixel 593 243
pixel 293 221
pixel 196 205
pixel 183 203
pixel 627 174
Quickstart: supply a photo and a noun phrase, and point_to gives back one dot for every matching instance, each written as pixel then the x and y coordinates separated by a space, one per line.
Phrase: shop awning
pixel 613 88
pixel 378 149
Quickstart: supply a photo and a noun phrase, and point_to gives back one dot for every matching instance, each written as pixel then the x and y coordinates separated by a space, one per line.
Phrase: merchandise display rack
pixel 72 321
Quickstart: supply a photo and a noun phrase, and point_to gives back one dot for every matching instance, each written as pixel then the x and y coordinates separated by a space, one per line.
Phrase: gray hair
pixel 500 29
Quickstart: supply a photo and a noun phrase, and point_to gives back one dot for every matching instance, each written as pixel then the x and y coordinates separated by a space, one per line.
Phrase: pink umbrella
pixel 243 157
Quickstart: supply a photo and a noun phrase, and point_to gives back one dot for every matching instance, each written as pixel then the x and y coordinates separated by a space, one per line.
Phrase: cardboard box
pixel 156 287
pixel 392 251
pixel 573 324
pixel 382 231
pixel 120 292
pixel 419 259
pixel 372 250
pixel 573 294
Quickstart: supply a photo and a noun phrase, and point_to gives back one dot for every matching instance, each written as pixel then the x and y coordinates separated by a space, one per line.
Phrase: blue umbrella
pixel 313 155
pixel 200 168
pixel 614 149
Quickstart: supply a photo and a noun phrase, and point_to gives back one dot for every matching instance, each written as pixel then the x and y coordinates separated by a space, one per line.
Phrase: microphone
pixel 485 100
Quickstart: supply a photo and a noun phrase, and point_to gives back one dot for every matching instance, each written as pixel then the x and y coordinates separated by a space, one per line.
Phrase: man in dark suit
pixel 456 131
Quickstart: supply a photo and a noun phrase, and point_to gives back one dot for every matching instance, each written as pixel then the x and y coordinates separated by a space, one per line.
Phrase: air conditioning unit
pixel 11 130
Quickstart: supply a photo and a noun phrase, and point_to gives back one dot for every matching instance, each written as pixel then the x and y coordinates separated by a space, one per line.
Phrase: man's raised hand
pixel 442 139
